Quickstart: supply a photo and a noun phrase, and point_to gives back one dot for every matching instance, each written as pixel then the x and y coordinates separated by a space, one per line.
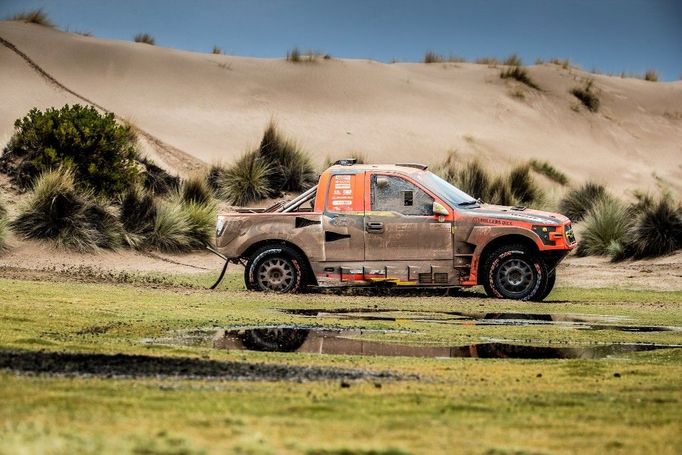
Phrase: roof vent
pixel 423 167
pixel 345 162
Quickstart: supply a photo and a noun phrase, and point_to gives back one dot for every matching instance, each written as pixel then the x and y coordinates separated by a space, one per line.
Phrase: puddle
pixel 327 341
pixel 574 321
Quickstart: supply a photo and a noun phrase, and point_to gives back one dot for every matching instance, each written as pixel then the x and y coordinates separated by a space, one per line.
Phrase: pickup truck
pixel 395 225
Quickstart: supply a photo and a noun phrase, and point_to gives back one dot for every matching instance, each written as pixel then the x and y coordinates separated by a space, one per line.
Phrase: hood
pixel 502 212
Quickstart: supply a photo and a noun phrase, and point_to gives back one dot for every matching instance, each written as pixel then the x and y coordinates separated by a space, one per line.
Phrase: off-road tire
pixel 514 272
pixel 275 268
pixel 551 279
pixel 274 339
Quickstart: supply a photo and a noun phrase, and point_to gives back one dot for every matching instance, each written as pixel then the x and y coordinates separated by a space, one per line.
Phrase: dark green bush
pixel 157 180
pixel 606 225
pixel 656 229
pixel 56 210
pixel 196 189
pixel 579 201
pixel 138 214
pixel 246 181
pixel 101 152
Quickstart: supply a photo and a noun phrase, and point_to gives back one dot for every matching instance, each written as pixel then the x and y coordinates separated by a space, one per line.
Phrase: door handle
pixel 375 226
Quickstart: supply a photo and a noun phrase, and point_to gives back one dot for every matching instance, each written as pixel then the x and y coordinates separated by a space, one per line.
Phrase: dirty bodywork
pixel 395 225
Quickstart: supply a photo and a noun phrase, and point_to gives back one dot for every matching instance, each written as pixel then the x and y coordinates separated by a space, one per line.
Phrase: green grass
pixel 477 406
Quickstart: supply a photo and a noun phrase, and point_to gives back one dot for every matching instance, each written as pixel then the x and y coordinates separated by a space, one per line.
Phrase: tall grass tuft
pixel 216 50
pixel 587 96
pixel 432 57
pixel 522 185
pixel 500 192
pixel 474 180
pixel 513 60
pixel 294 55
pixel 291 167
pixel 520 74
pixel 201 218
pixel 73 220
pixel 656 230
pixel 137 214
pixel 490 61
pixel 145 38
pixel 34 16
pixel 157 180
pixel 171 230
pixel 606 225
pixel 579 201
pixel 651 75
pixel 196 189
pixel 549 171
pixel 246 181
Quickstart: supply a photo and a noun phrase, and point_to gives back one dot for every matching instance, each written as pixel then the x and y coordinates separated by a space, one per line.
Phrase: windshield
pixel 450 194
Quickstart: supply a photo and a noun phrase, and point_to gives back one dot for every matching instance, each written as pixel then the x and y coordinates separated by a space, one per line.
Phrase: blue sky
pixel 609 35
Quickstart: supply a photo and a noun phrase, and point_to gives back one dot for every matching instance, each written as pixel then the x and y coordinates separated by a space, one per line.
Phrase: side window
pixel 395 194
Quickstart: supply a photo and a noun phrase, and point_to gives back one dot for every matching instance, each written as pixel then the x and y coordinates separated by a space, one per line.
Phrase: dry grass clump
pixel 513 60
pixel 246 181
pixel 587 96
pixel 549 171
pixel 565 63
pixel 73 220
pixel 523 186
pixel 490 61
pixel 606 225
pixel 651 75
pixel 577 202
pixel 196 189
pixel 35 16
pixel 296 56
pixel 433 57
pixel 520 74
pixel 145 38
pixel 216 50
pixel 157 180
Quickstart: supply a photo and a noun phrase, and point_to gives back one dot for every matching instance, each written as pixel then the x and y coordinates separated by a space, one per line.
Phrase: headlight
pixel 570 237
pixel 220 226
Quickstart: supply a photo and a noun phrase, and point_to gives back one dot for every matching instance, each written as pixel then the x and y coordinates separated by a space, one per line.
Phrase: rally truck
pixel 394 225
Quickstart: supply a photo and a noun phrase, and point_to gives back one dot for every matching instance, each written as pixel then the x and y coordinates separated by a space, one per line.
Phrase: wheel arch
pixel 497 242
pixel 310 276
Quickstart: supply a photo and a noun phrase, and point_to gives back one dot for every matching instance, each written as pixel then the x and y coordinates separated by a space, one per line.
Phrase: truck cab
pixel 396 225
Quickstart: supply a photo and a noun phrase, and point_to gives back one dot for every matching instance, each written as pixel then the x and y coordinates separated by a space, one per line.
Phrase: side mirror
pixel 439 210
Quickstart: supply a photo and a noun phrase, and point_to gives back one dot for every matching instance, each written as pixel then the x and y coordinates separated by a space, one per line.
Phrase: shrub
pixel 246 181
pixel 513 60
pixel 35 16
pixel 171 231
pixel 157 180
pixel 656 230
pixel 292 169
pixel 565 63
pixel 216 50
pixel 432 57
pixel 145 38
pixel 651 75
pixel 57 211
pixel 473 179
pixel 195 189
pixel 579 201
pixel 520 74
pixel 214 176
pixel 587 96
pixel 606 225
pixel 549 171
pixel 201 218
pixel 294 55
pixel 522 185
pixel 138 215
pixel 101 152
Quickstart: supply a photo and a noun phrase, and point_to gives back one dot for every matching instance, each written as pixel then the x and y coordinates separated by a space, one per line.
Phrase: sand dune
pixel 213 107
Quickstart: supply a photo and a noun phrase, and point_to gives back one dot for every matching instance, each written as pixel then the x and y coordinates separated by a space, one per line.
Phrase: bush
pixel 157 180
pixel 656 230
pixel 513 60
pixel 138 215
pixel 216 50
pixel 474 180
pixel 651 75
pixel 195 189
pixel 520 74
pixel 294 55
pixel 145 38
pixel 579 201
pixel 201 218
pixel 549 171
pixel 587 96
pixel 432 57
pixel 35 16
pixel 522 185
pixel 606 225
pixel 247 181
pixel 501 193
pixel 57 211
pixel 291 167
pixel 171 230
pixel 101 153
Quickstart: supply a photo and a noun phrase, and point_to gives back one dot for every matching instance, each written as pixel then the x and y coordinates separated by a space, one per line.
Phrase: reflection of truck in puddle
pixel 397 225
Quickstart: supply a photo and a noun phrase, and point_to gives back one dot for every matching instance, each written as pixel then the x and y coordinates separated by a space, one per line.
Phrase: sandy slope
pixel 214 107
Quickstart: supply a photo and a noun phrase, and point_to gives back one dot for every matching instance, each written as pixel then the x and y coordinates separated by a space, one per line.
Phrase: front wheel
pixel 274 268
pixel 514 272
pixel 551 279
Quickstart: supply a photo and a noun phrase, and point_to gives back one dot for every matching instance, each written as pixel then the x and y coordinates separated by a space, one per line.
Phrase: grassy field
pixel 623 404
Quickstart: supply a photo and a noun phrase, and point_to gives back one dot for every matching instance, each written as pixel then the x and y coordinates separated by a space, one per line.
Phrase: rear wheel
pixel 275 268
pixel 514 272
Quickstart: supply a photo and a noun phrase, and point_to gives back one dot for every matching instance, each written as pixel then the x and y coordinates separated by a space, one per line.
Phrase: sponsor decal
pixel 493 221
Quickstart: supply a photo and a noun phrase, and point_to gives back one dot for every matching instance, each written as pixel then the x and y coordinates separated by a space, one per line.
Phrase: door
pixel 400 224
pixel 343 218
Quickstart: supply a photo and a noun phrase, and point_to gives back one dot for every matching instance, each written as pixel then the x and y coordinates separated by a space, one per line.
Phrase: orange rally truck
pixel 397 225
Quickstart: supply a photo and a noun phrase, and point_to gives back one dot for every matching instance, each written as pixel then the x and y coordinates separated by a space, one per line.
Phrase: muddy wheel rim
pixel 515 277
pixel 276 274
